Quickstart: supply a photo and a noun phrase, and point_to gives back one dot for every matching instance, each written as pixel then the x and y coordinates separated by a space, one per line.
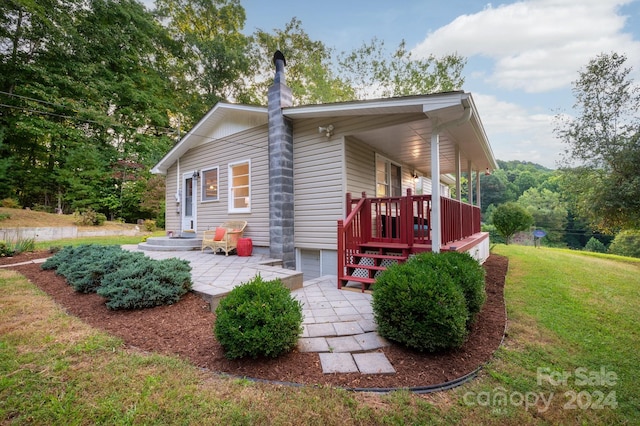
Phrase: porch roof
pixel 410 141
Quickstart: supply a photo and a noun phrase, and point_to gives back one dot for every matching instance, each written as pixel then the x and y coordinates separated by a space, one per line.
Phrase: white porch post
pixel 458 175
pixel 436 237
pixel 478 188
pixel 470 182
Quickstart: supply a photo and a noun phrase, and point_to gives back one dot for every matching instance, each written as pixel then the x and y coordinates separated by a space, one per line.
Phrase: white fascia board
pixel 420 103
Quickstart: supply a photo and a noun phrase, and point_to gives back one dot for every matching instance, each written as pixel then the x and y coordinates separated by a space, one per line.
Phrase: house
pixel 293 172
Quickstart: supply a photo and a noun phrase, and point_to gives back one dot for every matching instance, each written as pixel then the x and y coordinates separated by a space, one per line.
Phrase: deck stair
pixel 371 260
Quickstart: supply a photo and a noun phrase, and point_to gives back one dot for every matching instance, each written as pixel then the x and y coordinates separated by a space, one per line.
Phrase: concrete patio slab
pixel 347 328
pixel 337 363
pixel 313 344
pixel 371 341
pixel 373 363
pixel 343 344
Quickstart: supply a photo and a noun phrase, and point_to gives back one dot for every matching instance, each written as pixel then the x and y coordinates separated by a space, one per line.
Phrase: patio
pixel 337 324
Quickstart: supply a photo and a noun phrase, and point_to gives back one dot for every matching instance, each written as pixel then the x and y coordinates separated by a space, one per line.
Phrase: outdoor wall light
pixel 196 174
pixel 327 130
pixel 414 175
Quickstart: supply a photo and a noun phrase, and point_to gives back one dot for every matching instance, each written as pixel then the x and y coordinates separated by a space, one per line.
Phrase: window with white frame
pixel 388 178
pixel 240 187
pixel 210 184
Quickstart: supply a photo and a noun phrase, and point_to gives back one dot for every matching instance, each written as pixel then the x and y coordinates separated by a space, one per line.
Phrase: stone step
pixel 369 363
pixel 171 244
pixel 356 343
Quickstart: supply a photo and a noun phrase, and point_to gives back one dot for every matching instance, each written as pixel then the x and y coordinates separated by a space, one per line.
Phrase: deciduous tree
pixel 510 218
pixel 603 143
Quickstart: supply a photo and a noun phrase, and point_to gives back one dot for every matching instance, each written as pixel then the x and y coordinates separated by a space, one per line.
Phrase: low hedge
pixel 428 302
pixel 465 271
pixel 258 318
pixel 128 280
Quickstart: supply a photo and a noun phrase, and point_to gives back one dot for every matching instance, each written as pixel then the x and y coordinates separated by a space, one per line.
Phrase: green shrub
pixel 420 307
pixel 494 235
pixel 10 203
pixel 20 245
pixel 84 266
pixel 42 208
pixel 465 272
pixel 258 318
pixel 6 250
pixel 89 217
pixel 595 245
pixel 150 225
pixel 4 216
pixel 626 243
pixel 146 283
pixel 128 280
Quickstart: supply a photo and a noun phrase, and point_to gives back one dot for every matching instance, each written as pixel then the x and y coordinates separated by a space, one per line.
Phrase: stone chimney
pixel 280 168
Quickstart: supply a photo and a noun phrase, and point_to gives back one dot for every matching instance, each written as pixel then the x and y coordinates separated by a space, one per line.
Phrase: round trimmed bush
pixel 420 307
pixel 465 271
pixel 258 318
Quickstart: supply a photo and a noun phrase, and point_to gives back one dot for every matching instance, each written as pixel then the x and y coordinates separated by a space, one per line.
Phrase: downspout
pixel 436 219
pixel 179 198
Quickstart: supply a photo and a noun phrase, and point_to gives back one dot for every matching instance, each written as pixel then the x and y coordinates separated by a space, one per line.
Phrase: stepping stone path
pixel 339 326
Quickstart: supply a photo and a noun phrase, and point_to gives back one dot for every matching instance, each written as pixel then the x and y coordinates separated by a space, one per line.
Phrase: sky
pixel 522 56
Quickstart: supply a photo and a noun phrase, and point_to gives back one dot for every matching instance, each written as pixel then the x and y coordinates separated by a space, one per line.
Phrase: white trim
pixel 231 209
pixel 388 163
pixel 194 202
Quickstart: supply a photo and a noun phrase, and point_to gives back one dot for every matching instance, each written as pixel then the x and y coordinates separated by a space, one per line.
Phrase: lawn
pixel 570 357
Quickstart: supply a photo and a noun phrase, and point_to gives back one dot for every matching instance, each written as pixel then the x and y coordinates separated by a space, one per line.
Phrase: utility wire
pixel 85 120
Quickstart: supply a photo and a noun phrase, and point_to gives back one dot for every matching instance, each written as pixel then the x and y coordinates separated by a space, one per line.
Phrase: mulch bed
pixel 185 329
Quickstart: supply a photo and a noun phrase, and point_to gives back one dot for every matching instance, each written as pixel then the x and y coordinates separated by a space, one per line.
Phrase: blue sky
pixel 521 55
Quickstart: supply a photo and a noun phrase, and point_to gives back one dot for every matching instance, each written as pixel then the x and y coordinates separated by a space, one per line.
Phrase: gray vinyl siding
pixel 318 186
pixel 246 145
pixel 361 175
pixel 323 172
pixel 361 169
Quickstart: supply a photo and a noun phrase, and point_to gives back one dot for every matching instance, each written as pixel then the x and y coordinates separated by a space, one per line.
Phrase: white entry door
pixel 189 195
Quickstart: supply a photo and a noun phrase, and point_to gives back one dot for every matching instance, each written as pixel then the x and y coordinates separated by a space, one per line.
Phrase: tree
pixel 604 141
pixel 212 60
pixel 309 67
pixel 84 87
pixel 372 72
pixel 510 218
pixel 495 189
pixel 548 212
pixel 626 243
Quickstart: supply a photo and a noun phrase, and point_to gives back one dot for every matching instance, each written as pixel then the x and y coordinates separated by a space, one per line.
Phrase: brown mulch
pixel 186 329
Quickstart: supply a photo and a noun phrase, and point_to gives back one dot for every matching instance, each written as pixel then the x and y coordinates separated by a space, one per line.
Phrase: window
pixel 240 187
pixel 388 178
pixel 210 184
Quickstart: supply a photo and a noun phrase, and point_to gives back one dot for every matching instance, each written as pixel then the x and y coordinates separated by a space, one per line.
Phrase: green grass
pixel 106 240
pixel 569 313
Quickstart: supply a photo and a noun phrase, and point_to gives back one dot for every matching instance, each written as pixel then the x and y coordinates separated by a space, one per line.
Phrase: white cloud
pixel 536 45
pixel 518 134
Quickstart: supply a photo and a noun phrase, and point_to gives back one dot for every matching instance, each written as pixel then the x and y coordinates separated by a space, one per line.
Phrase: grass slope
pixel 568 314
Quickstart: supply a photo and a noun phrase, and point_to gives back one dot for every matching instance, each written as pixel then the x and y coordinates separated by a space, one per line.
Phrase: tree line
pixel 94 92
pixel 595 193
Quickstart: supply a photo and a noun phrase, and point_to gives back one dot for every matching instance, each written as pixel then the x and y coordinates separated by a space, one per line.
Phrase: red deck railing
pixel 401 220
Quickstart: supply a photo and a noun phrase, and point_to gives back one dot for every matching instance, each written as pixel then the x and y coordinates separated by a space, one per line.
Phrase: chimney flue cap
pixel 279 55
